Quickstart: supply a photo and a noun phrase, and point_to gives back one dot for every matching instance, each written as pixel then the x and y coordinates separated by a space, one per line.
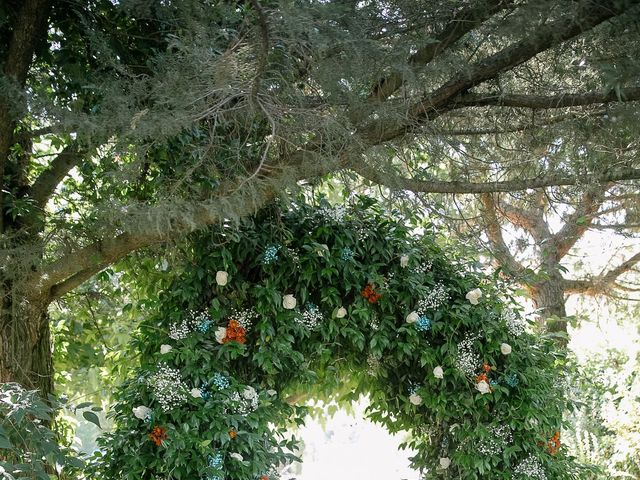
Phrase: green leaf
pixel 91 417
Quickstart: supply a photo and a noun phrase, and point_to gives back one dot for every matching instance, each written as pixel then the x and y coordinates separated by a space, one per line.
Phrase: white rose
pixel 404 261
pixel 236 456
pixel 445 462
pixel 249 393
pixel 221 332
pixel 165 349
pixel 483 387
pixel 412 317
pixel 438 372
pixel 505 348
pixel 415 399
pixel 196 393
pixel 473 296
pixel 289 302
pixel 341 313
pixel 222 278
pixel 272 393
pixel 142 412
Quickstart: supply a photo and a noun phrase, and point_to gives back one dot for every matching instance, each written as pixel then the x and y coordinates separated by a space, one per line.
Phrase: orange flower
pixel 482 377
pixel 235 333
pixel 370 294
pixel 158 435
pixel 233 434
pixel 554 444
pixel 264 477
pixel 486 367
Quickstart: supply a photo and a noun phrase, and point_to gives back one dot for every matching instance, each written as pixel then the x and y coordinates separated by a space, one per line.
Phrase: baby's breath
pixel 437 297
pixel 311 317
pixel 467 359
pixel 530 467
pixel 516 325
pixel 167 387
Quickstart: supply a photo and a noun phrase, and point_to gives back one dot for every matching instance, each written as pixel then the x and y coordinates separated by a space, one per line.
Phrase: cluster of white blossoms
pixel 167 387
pixel 373 364
pixel 311 317
pixel 180 330
pixel 246 402
pixel 244 317
pixel 422 268
pixel 501 436
pixel 516 325
pixel 531 468
pixel 437 297
pixel 467 359
pixel 332 214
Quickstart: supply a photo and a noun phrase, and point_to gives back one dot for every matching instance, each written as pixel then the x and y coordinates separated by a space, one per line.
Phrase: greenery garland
pixel 321 302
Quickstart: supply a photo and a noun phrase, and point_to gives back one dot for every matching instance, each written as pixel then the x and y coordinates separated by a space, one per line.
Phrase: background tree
pixel 127 124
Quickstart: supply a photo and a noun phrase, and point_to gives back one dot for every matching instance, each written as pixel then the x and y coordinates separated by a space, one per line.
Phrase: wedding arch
pixel 320 302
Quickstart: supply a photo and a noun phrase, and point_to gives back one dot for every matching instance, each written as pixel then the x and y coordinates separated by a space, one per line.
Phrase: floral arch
pixel 332 303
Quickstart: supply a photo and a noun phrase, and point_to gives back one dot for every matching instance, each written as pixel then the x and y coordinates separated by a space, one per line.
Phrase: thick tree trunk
pixel 549 297
pixel 25 343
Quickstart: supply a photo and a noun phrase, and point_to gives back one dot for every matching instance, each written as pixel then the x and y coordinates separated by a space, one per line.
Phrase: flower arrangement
pixel 220 406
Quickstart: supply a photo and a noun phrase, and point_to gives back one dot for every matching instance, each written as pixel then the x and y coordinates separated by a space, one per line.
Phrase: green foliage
pixel 28 447
pixel 325 258
pixel 605 428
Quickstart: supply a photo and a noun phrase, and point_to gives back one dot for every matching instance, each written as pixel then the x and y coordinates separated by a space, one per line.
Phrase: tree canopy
pixel 128 123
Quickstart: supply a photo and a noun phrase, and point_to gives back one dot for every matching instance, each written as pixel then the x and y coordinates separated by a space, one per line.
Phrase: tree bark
pixel 25 343
pixel 549 297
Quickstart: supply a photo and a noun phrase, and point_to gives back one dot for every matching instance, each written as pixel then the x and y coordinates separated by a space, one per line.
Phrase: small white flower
pixel 221 332
pixel 249 393
pixel 323 249
pixel 341 313
pixel 289 302
pixel 165 348
pixel 412 317
pixel 142 412
pixel 415 399
pixel 404 261
pixel 222 278
pixel 474 296
pixel 236 456
pixel 272 393
pixel 196 393
pixel 483 387
pixel 505 348
pixel 438 372
pixel 445 462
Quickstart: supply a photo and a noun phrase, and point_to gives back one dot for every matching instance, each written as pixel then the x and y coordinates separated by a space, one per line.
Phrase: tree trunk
pixel 25 343
pixel 549 297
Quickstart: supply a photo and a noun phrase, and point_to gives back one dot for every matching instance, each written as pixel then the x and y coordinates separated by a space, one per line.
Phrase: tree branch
pixel 578 222
pixel 396 182
pixel 494 233
pixel 157 224
pixel 589 15
pixel 460 24
pixel 518 128
pixel 564 100
pixel 531 220
pixel 45 185
pixel 604 283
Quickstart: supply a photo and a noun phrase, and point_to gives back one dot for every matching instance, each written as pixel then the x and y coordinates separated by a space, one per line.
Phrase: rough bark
pixel 25 343
pixel 549 297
